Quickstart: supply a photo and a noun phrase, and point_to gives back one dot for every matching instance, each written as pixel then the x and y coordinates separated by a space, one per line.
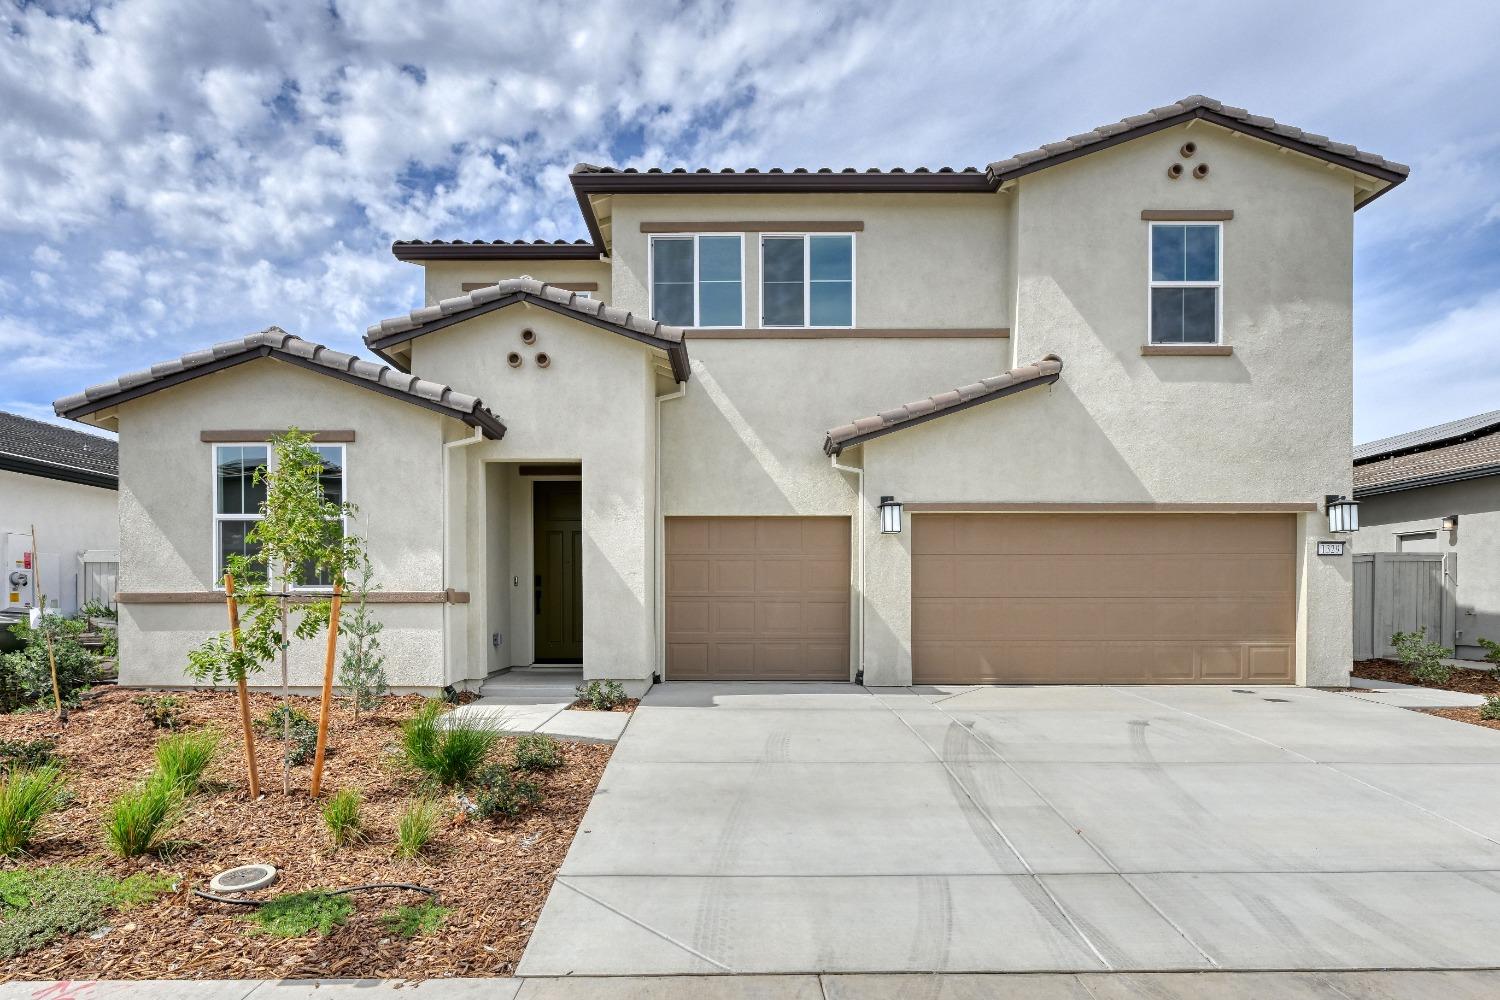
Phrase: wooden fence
pixel 1402 592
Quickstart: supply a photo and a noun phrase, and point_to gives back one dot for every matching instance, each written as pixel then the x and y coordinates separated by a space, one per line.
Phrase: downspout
pixel 659 530
pixel 448 449
pixel 859 543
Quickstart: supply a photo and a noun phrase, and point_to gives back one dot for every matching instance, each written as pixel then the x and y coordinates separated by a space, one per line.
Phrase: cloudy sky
pixel 174 173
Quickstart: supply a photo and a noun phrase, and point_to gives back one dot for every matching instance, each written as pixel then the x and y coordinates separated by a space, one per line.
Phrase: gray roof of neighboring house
pixel 511 291
pixel 1043 372
pixel 41 449
pixel 277 343
pixel 1428 437
pixel 1198 106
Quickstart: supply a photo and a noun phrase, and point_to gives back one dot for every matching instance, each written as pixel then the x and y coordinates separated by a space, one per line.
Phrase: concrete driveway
pixel 832 828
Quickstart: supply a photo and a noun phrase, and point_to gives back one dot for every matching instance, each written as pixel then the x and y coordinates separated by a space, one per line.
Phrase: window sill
pixel 1186 350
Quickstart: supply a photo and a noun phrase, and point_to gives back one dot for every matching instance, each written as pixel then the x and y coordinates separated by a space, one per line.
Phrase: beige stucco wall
pixel 1476 542
pixel 166 501
pixel 594 405
pixel 922 261
pixel 446 278
pixel 69 518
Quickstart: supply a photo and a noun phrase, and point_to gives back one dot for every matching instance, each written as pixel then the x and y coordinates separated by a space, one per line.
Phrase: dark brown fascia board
pixel 236 436
pixel 837 448
pixel 1436 479
pixel 782 183
pixel 1104 507
pixel 492 427
pixel 1391 177
pixel 61 473
pixel 419 252
pixel 676 353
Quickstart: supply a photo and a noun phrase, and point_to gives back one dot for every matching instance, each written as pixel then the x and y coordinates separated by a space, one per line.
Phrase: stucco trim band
pixel 1128 507
pixel 773 226
pixel 849 333
pixel 449 596
pixel 1187 214
pixel 1186 350
pixel 233 436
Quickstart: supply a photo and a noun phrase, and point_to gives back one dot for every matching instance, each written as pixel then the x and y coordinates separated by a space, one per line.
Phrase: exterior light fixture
pixel 1450 522
pixel 1343 514
pixel 890 516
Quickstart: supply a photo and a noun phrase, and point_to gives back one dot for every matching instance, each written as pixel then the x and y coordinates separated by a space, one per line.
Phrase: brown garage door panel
pixel 752 598
pixel 1100 598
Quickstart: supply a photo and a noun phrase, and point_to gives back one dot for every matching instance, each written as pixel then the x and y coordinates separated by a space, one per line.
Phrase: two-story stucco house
pixel 1069 418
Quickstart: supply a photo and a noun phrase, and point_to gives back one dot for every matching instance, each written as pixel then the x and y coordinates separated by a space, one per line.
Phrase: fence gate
pixel 1402 592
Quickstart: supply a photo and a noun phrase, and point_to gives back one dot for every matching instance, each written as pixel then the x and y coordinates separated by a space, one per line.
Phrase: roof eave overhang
pixel 61 473
pixel 834 448
pixel 1389 178
pixel 421 253
pixel 676 352
pixel 491 426
pixel 1416 483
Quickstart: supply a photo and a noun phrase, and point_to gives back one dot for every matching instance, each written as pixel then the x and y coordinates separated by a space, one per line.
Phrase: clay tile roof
pixel 1459 449
pixel 1043 372
pixel 511 291
pixel 52 452
pixel 275 342
pixel 1198 106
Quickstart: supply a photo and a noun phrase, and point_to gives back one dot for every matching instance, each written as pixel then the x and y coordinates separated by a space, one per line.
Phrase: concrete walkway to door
pixel 764 828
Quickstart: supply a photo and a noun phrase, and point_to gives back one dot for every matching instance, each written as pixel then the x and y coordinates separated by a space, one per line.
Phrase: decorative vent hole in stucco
pixel 528 336
pixel 513 359
pixel 1188 149
pixel 543 359
pixel 1200 171
pixel 1174 171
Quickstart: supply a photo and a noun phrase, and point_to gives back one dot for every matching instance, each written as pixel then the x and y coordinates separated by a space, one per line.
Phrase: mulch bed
pixel 1469 715
pixel 583 705
pixel 493 876
pixel 1463 679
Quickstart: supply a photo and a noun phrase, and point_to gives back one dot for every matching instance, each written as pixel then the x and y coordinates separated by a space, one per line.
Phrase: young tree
pixel 298 540
pixel 362 669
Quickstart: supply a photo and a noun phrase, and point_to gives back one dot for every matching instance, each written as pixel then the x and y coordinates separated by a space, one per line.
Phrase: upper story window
pixel 807 280
pixel 1186 282
pixel 698 280
pixel 238 498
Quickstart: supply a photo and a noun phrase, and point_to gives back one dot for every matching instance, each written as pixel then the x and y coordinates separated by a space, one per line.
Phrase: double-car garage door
pixel 1103 598
pixel 1021 598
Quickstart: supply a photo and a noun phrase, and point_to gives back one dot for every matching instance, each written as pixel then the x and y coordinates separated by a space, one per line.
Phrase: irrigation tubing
pixel 332 892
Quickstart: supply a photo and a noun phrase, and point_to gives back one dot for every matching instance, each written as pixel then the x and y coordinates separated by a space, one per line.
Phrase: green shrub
pixel 341 817
pixel 498 792
pixel 409 921
pixel 27 797
pixel 39 905
pixel 27 753
pixel 300 913
pixel 537 752
pixel 449 753
pixel 162 711
pixel 1491 708
pixel 1491 650
pixel 1423 658
pixel 414 829
pixel 139 819
pixel 602 696
pixel 184 758
pixel 26 673
pixel 302 745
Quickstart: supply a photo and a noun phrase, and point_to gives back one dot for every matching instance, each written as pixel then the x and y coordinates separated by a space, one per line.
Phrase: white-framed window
pixel 238 497
pixel 1186 282
pixel 698 280
pixel 807 279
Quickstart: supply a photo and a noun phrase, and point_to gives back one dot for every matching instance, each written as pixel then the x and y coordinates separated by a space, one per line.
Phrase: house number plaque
pixel 1330 548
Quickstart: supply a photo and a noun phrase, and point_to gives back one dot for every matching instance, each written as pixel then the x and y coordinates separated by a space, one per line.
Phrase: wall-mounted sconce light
pixel 890 516
pixel 1343 514
pixel 1450 522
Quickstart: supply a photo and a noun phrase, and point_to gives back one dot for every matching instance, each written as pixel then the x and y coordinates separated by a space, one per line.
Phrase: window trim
pixel 806 238
pixel 214 541
pixel 1218 284
pixel 697 280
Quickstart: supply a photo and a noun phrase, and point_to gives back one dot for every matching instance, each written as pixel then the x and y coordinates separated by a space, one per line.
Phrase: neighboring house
pixel 1438 490
pixel 1130 353
pixel 63 483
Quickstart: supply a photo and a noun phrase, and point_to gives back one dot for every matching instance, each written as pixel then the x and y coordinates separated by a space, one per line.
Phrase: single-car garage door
pixel 1103 598
pixel 757 598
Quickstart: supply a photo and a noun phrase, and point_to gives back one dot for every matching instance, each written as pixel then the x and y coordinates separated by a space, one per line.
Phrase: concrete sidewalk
pixel 1088 986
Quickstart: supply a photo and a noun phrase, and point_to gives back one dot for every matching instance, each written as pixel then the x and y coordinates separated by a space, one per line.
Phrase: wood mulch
pixel 583 705
pixel 1469 715
pixel 493 876
pixel 1463 679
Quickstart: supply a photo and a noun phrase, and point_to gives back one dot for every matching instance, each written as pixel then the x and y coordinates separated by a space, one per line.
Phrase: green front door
pixel 558 518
